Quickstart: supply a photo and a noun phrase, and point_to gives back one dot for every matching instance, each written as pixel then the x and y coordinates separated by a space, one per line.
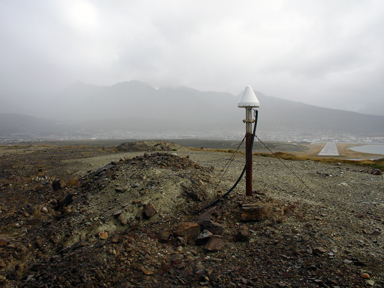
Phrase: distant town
pixel 293 136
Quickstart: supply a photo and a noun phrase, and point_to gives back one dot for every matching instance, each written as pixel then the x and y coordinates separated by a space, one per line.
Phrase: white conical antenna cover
pixel 248 99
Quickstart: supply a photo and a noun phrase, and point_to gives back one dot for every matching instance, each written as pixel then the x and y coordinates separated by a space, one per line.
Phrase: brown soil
pixel 97 228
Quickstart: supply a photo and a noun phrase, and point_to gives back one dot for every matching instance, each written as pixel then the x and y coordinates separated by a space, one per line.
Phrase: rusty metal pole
pixel 248 139
pixel 248 101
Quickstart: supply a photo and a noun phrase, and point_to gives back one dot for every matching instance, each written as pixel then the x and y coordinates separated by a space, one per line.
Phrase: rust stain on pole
pixel 248 138
pixel 248 175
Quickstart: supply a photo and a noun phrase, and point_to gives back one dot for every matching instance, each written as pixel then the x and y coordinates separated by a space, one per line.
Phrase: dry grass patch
pixel 377 164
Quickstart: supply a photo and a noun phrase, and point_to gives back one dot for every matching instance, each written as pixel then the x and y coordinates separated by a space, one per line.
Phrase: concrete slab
pixel 329 149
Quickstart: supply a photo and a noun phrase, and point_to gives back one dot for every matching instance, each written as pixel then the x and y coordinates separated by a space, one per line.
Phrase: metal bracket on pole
pixel 248 121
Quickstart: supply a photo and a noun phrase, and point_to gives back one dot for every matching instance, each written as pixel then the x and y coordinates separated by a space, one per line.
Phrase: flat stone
pixel 187 229
pixel 214 244
pixel 207 215
pixel 261 211
pixel 370 282
pixel 3 242
pixel 149 210
pixel 319 250
pixel 117 213
pixel 121 189
pixel 145 270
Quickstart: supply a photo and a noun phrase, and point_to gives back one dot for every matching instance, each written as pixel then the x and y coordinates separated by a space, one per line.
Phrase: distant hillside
pixel 17 123
pixel 143 107
pixel 136 106
pixel 279 114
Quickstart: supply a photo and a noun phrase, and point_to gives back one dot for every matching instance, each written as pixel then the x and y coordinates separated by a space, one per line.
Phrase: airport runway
pixel 329 149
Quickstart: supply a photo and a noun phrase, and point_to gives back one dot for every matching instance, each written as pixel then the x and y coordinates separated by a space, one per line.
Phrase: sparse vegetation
pixel 377 164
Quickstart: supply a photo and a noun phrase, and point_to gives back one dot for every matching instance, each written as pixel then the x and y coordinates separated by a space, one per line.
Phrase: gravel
pixel 331 234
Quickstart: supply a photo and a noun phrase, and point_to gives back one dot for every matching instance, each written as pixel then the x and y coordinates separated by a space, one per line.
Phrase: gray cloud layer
pixel 325 53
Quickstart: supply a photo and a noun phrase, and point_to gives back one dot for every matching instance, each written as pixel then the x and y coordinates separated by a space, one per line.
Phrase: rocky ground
pixel 123 217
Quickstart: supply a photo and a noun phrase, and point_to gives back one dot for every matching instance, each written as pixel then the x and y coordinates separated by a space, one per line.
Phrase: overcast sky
pixel 325 53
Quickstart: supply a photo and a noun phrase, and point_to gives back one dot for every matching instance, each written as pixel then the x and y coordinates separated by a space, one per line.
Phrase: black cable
pixel 225 169
pixel 242 173
pixel 281 161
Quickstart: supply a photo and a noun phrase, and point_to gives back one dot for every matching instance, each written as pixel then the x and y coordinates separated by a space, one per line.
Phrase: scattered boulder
pixel 146 146
pixel 213 227
pixel 164 237
pixel 376 172
pixel 187 229
pixel 68 199
pixel 365 276
pixel 123 220
pixel 56 185
pixel 243 234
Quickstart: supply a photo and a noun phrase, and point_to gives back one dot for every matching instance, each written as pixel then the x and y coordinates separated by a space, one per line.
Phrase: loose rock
pixel 214 244
pixel 149 210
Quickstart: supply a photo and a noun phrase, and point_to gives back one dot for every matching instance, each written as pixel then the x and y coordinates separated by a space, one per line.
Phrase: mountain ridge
pixel 134 105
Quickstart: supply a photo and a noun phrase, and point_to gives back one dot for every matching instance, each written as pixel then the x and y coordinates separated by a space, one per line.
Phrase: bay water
pixel 372 149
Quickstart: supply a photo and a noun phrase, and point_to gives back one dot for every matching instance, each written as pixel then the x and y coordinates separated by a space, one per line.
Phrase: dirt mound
pixel 163 179
pixel 147 146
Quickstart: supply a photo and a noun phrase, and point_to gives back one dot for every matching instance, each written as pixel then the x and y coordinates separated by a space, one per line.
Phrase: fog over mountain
pixel 323 53
pixel 136 106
